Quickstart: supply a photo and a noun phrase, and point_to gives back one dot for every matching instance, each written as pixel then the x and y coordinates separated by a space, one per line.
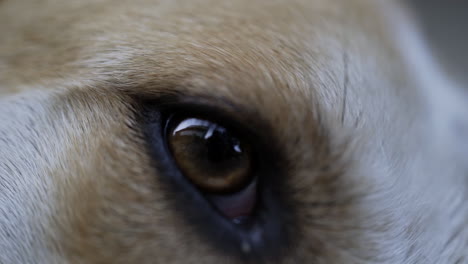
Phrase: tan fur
pixel 375 139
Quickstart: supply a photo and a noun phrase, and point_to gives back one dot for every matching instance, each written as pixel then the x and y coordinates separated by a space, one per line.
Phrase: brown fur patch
pixel 324 81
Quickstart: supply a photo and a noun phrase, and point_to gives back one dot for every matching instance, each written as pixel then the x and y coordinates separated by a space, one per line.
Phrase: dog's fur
pixel 375 136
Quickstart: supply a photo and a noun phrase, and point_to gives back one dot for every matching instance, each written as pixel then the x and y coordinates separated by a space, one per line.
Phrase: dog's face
pixel 226 132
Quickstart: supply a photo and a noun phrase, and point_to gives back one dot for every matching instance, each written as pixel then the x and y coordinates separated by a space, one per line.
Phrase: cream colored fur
pixel 352 77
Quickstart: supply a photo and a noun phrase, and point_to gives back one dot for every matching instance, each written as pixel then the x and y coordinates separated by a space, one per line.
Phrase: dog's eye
pixel 210 156
pixel 224 177
pixel 218 162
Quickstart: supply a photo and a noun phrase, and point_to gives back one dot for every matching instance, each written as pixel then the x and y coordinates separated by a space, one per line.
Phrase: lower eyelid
pixel 238 205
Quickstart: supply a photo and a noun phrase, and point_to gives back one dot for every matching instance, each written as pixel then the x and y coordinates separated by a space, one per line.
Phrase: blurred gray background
pixel 445 24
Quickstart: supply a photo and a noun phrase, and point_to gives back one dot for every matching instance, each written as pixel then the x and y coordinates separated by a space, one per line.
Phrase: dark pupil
pixel 220 146
pixel 213 148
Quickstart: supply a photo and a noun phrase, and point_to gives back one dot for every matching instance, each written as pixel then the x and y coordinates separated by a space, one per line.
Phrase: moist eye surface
pixel 209 155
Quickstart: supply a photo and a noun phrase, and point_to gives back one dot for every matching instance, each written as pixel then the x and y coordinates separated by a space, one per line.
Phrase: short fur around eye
pixel 86 176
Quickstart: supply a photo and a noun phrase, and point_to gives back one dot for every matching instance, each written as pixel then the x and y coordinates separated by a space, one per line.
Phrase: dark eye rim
pixel 268 236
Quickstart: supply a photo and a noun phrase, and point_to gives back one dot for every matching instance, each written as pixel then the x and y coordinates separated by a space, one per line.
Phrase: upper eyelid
pixel 219 110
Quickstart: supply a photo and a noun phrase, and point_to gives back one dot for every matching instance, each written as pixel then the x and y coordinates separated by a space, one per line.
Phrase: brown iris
pixel 210 156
